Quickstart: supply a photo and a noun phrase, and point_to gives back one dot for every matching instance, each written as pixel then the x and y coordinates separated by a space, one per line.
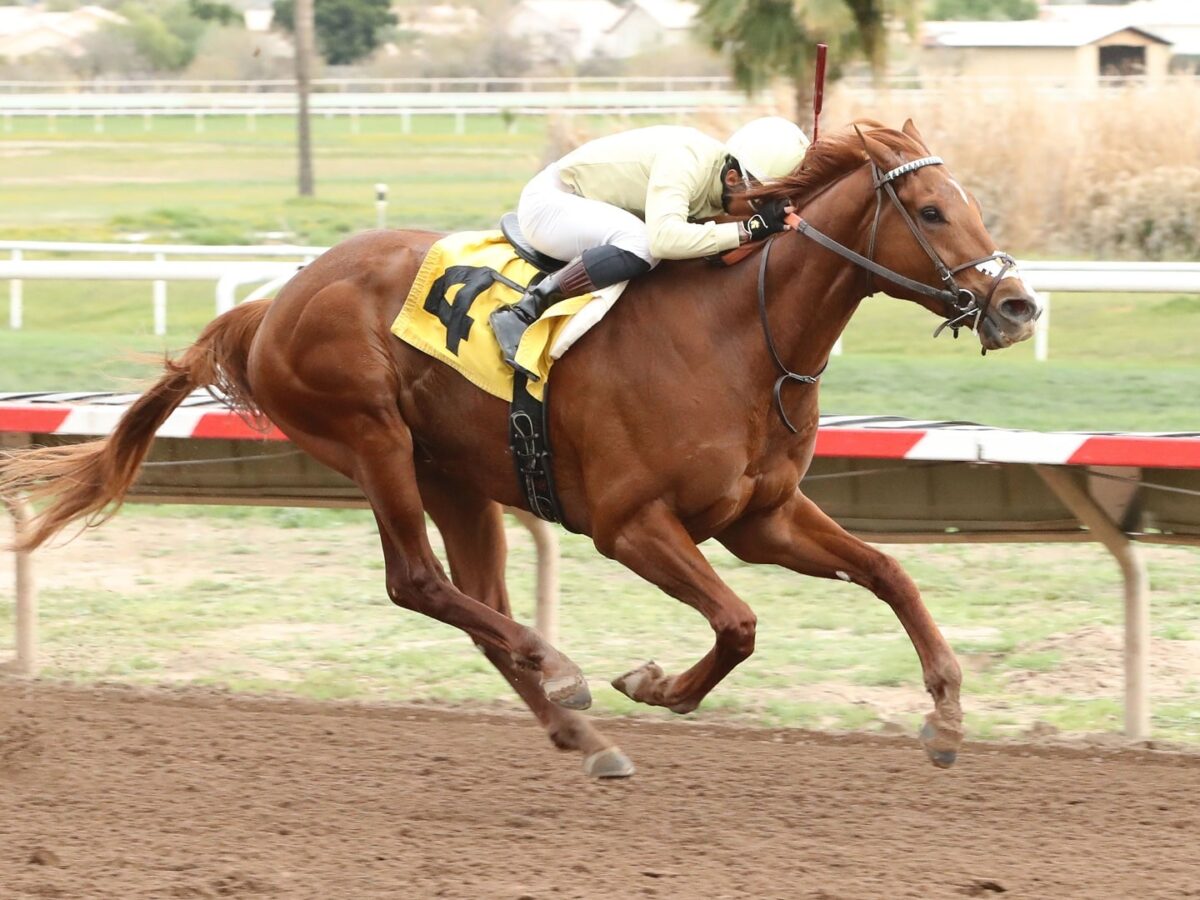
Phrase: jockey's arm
pixel 677 175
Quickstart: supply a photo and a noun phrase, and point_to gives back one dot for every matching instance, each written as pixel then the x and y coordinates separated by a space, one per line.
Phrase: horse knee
pixel 415 589
pixel 737 634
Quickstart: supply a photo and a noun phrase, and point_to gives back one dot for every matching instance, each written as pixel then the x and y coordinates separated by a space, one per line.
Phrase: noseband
pixel 961 304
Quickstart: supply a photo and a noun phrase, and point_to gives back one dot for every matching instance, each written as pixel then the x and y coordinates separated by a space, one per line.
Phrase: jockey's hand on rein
pixel 768 220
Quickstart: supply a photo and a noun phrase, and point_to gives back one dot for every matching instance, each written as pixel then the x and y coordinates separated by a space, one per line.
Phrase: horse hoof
pixel 935 748
pixel 608 763
pixel 568 691
pixel 633 684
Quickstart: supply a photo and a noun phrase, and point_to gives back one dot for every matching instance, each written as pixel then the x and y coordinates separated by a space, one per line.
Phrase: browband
pixel 908 167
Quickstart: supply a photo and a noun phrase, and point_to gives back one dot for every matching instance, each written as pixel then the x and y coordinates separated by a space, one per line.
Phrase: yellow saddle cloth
pixel 446 312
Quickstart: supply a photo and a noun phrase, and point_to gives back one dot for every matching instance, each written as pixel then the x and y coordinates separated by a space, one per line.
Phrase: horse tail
pixel 89 480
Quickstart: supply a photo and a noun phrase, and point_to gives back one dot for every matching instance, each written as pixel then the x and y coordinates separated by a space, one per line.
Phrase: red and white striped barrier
pixel 870 437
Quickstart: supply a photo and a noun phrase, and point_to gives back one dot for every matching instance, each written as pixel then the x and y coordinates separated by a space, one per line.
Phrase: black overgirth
pixel 529 440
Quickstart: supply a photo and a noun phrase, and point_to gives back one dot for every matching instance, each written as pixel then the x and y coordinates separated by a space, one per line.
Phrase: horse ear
pixel 877 151
pixel 911 130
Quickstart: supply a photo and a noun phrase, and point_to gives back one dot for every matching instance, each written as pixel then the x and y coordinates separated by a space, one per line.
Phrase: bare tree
pixel 303 41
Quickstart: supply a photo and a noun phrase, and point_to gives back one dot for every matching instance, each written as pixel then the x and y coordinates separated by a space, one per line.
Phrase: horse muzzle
pixel 1009 320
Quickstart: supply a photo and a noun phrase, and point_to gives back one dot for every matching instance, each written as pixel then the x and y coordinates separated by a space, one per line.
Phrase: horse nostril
pixel 1019 310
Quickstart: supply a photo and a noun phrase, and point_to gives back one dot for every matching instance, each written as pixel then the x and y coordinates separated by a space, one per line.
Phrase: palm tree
pixel 766 39
pixel 870 20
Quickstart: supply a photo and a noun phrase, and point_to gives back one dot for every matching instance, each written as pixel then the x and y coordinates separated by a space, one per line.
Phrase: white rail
pixel 404 113
pixel 219 103
pixel 291 251
pixel 482 85
pixel 229 274
pixel 929 82
pixel 458 105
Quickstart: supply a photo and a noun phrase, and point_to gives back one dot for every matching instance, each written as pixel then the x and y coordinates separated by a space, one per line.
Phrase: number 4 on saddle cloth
pixel 465 277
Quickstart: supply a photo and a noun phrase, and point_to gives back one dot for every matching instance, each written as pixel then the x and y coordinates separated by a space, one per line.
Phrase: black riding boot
pixel 510 322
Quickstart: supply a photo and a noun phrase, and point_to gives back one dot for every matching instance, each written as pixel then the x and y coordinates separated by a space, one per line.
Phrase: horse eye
pixel 932 214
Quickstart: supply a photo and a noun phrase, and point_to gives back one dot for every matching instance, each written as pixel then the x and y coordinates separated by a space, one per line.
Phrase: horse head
pixel 920 236
pixel 928 228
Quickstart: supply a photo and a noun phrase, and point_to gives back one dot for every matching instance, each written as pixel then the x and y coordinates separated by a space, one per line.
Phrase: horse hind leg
pixel 472 529
pixel 375 449
pixel 415 579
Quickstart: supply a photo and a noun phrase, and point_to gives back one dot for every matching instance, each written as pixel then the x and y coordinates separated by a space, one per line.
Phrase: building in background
pixel 646 25
pixel 1177 21
pixel 561 32
pixel 438 20
pixel 1075 52
pixel 30 30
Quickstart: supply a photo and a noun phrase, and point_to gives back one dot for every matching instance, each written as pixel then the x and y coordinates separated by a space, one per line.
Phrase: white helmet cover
pixel 768 148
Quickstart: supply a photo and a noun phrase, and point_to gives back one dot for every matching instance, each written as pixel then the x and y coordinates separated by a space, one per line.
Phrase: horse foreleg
pixel 472 528
pixel 656 546
pixel 799 536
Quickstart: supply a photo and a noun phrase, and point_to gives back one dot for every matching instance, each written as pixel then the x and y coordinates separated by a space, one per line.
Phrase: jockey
pixel 617 205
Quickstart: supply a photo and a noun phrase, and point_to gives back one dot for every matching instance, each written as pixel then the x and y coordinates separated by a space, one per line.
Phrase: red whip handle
pixel 819 89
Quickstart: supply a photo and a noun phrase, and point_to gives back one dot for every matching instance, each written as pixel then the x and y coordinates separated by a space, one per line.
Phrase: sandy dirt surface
pixel 118 792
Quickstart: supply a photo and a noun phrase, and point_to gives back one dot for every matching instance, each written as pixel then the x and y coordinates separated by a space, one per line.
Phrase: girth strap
pixel 529 439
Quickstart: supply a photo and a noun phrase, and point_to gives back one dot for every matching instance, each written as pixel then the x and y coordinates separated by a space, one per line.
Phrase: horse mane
pixel 829 158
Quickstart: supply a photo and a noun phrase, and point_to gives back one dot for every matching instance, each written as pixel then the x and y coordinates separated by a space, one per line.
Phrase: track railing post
pixel 545 541
pixel 1137 593
pixel 1041 333
pixel 26 605
pixel 16 303
pixel 160 301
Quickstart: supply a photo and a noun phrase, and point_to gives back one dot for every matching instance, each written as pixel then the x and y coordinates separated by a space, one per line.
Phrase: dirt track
pixel 128 794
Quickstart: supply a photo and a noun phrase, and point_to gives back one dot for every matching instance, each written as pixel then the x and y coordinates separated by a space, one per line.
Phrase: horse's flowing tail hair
pixel 91 479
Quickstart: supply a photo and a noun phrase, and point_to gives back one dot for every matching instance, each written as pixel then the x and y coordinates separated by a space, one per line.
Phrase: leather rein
pixel 961 304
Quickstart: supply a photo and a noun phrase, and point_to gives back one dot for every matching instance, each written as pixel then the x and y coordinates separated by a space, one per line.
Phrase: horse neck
pixel 811 293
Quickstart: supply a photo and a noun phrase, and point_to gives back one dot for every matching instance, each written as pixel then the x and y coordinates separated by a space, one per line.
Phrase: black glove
pixel 768 220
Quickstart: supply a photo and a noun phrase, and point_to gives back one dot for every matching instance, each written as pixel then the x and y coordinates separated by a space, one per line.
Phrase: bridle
pixel 961 304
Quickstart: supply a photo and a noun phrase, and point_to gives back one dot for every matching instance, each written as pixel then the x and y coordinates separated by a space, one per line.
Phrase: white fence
pixel 404 106
pixel 481 85
pixel 929 82
pixel 229 273
pixel 236 270
pixel 463 98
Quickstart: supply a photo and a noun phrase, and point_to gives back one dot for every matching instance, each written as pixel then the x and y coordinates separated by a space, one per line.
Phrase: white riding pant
pixel 561 224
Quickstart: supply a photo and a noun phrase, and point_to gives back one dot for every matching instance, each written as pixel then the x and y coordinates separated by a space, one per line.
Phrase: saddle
pixel 464 277
pixel 511 229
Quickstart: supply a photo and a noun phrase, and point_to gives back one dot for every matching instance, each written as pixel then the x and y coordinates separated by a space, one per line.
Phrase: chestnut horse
pixel 674 420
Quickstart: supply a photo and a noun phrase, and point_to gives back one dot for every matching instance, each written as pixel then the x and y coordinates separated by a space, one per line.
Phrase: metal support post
pixel 26 603
pixel 16 299
pixel 545 541
pixel 381 204
pixel 1137 593
pixel 160 301
pixel 1041 333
